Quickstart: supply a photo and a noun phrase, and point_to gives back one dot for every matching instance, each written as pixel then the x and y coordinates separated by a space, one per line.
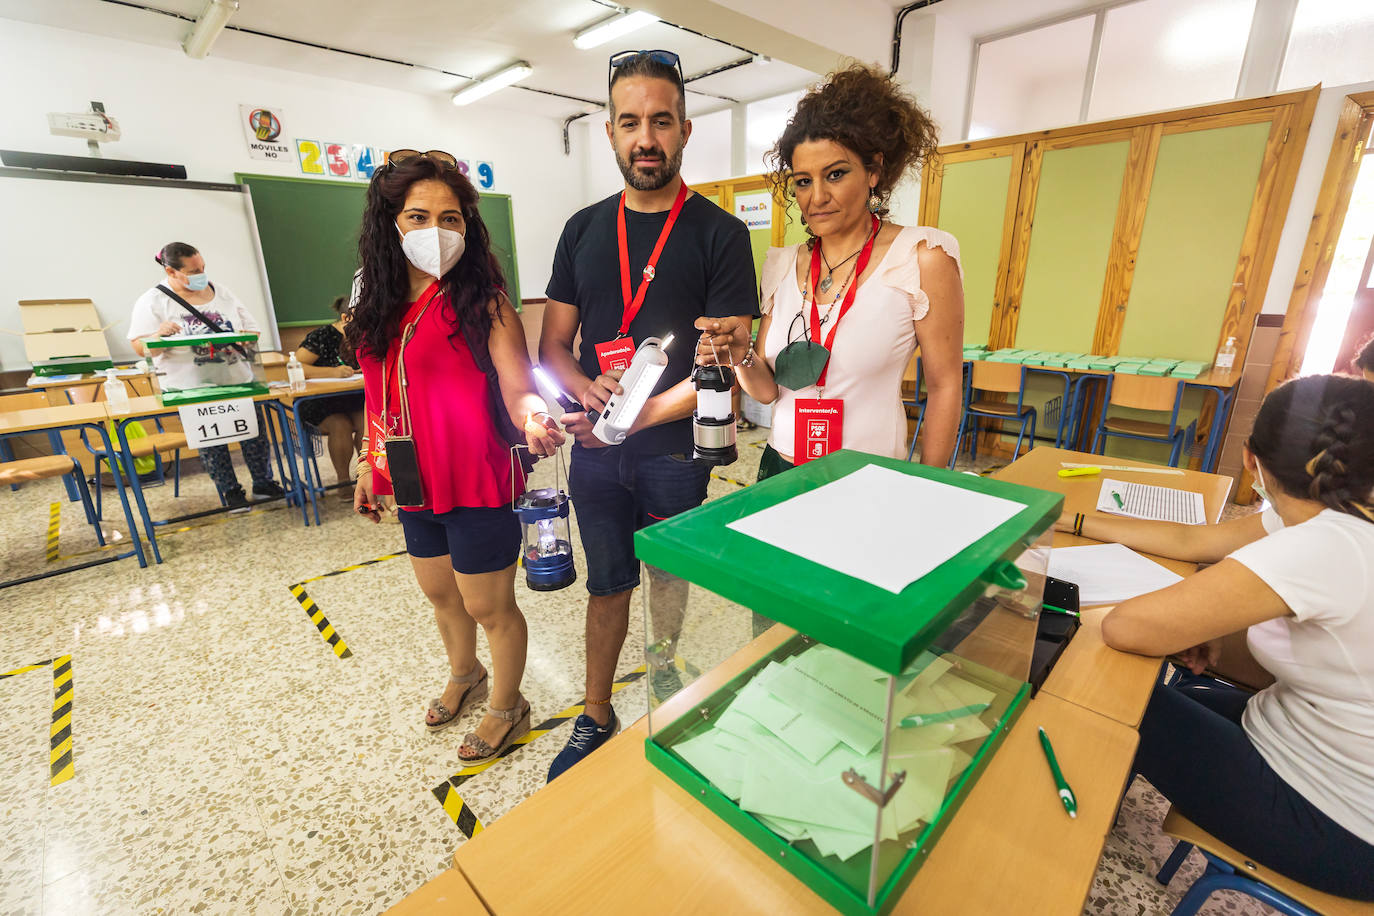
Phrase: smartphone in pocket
pixel 404 465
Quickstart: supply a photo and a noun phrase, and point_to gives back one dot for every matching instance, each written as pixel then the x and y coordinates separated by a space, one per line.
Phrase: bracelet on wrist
pixel 748 361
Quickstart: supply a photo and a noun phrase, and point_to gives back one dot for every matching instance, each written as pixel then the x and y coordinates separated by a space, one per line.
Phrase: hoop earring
pixel 875 202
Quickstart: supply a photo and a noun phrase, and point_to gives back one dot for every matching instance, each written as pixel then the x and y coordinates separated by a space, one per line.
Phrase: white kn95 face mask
pixel 433 250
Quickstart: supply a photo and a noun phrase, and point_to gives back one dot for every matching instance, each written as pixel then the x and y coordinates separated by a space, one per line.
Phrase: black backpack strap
pixel 199 315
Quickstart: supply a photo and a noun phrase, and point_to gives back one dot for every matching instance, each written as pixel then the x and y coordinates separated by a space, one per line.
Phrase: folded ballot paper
pixel 781 746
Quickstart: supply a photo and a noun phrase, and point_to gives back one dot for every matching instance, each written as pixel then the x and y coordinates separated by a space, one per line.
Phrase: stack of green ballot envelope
pixel 781 747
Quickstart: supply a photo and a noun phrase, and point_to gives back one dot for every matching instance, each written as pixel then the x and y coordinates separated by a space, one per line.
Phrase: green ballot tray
pixel 909 598
pixel 71 365
pixel 192 369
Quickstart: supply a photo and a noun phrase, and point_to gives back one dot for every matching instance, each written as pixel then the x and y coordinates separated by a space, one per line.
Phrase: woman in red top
pixel 445 365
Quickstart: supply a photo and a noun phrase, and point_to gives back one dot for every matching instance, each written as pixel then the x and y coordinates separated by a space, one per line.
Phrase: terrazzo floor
pixel 227 761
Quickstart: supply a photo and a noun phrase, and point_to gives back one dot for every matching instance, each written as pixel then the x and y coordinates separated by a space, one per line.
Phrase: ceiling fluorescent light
pixel 611 29
pixel 498 80
pixel 207 28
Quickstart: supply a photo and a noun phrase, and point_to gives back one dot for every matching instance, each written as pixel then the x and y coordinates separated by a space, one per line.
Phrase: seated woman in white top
pixel 1286 775
pixel 864 289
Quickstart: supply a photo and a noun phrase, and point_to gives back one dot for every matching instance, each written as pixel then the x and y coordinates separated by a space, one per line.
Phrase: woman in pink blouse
pixel 449 390
pixel 844 312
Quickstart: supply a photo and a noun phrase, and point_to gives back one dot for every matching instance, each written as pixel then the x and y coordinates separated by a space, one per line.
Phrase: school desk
pixel 90 417
pixel 151 406
pixel 315 388
pixel 614 835
pixel 1090 674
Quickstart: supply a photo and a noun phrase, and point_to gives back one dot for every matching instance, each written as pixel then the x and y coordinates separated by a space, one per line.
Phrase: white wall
pixel 706 158
pixel 178 110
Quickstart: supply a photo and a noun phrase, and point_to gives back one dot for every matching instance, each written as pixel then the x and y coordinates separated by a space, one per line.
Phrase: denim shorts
pixel 616 492
pixel 476 540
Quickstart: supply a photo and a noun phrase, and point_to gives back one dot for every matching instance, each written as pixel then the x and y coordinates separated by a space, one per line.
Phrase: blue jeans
pixel 1194 750
pixel 616 492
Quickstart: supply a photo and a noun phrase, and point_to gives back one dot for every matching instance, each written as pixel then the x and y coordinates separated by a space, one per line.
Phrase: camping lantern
pixel 713 422
pixel 546 549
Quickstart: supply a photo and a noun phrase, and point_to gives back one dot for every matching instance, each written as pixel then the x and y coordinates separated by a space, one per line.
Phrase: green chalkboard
pixel 973 204
pixel 1075 213
pixel 308 229
pixel 1200 200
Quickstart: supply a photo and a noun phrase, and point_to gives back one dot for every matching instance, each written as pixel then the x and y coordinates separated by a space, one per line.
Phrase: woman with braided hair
pixel 1286 775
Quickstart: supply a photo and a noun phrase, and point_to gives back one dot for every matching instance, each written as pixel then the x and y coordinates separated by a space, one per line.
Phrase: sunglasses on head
pixel 667 58
pixel 402 156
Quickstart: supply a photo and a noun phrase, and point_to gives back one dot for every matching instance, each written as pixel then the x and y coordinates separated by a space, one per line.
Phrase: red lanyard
pixel 633 304
pixel 391 367
pixel 848 302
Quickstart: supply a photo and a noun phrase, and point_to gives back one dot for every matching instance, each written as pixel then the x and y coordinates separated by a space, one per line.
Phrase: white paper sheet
pixel 1143 500
pixel 1108 573
pixel 879 525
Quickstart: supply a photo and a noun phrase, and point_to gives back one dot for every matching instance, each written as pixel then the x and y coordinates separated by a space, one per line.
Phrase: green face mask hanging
pixel 800 364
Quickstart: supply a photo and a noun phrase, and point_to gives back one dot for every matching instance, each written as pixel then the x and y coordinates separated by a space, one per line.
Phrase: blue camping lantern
pixel 546 550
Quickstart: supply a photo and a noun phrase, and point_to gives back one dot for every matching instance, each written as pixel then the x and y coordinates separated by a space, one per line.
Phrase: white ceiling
pixel 447 39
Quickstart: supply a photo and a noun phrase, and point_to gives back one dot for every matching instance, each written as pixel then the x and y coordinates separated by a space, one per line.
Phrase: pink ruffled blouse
pixel 872 347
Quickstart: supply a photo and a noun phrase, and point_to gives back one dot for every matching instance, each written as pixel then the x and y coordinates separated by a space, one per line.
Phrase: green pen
pixel 1065 793
pixel 916 721
pixel 1120 503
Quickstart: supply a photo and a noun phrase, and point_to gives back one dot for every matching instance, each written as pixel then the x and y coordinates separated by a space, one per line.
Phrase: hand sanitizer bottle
pixel 1226 358
pixel 116 395
pixel 295 375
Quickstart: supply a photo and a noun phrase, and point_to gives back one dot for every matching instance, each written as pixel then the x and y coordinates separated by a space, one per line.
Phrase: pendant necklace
pixel 829 279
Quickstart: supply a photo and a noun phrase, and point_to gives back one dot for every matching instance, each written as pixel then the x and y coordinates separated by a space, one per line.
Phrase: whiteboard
pixel 66 239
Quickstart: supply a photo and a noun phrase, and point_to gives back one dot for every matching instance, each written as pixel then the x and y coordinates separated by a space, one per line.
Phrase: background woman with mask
pixel 1286 775
pixel 158 314
pixel 449 388
pixel 843 313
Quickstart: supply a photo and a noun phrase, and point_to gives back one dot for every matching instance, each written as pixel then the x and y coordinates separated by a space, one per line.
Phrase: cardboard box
pixel 64 335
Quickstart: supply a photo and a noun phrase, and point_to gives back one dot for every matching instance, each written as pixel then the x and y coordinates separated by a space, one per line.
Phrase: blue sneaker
pixel 586 737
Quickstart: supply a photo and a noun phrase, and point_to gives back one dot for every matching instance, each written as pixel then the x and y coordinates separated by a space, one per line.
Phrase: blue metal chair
pixel 1228 869
pixel 151 445
pixel 999 378
pixel 1144 392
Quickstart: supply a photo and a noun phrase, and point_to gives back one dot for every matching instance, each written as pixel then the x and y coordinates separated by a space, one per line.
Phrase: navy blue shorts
pixel 476 540
pixel 616 492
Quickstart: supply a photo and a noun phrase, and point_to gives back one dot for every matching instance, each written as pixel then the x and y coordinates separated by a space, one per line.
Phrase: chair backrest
pixel 24 400
pixel 1002 377
pixel 1144 392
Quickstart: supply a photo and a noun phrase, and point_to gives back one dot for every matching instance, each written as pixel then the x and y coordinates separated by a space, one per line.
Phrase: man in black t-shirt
pixel 704 267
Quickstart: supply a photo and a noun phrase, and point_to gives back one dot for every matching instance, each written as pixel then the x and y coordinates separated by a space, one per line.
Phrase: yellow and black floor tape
pixel 738 483
pixel 54 526
pixel 447 792
pixel 317 617
pixel 321 623
pixel 60 763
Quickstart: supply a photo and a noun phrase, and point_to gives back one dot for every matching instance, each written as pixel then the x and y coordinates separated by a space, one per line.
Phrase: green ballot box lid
pixel 886 629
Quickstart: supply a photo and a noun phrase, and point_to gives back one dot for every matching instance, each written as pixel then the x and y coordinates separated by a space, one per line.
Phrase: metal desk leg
pixel 289 445
pixel 310 487
pixel 1225 396
pixel 123 497
pixel 59 448
pixel 136 485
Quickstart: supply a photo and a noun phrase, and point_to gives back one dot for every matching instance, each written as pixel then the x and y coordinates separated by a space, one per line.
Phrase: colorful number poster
pixel 337 158
pixel 311 157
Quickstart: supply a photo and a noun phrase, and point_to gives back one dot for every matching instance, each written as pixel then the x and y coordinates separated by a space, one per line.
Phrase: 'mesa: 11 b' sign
pixel 342 160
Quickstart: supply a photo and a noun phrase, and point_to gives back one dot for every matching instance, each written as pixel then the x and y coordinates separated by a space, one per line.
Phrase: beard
pixel 650 178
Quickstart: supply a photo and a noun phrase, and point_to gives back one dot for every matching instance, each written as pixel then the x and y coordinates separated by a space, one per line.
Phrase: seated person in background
pixel 1286 776
pixel 324 354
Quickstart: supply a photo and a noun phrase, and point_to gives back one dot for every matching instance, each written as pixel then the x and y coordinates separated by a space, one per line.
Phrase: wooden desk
pixel 1090 674
pixel 43 418
pixel 641 841
pixel 448 894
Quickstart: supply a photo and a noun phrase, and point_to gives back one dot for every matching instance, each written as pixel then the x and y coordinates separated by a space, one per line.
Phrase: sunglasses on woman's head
pixel 402 156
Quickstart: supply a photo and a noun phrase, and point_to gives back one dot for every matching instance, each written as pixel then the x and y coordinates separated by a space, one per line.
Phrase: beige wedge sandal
pixel 477 691
pixel 476 750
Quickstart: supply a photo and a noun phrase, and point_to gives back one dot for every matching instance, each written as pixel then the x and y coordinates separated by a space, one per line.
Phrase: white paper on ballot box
pixel 879 525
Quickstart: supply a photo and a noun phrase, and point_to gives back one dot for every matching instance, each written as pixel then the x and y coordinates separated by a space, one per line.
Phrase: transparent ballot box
pixel 208 367
pixel 835 654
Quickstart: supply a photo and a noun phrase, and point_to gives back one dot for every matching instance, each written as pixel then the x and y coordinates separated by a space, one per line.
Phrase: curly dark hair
pixel 469 287
pixel 1364 358
pixel 1315 436
pixel 862 109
